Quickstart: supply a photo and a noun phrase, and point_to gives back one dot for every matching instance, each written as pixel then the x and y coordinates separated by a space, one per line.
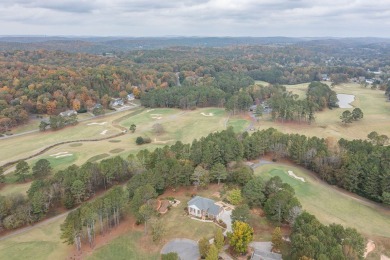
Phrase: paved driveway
pixel 187 249
pixel 226 217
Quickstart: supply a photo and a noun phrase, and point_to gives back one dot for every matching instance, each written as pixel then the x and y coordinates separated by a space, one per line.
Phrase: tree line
pixel 359 166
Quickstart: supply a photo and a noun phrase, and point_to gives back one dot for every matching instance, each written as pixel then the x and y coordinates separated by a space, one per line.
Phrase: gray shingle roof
pixel 205 204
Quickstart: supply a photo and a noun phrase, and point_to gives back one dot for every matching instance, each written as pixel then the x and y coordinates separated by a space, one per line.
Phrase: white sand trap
pixel 64 155
pixel 104 132
pixel 94 123
pixel 156 114
pixel 292 174
pixel 59 153
pixel 369 248
pixel 383 257
pixel 209 114
pixel 162 142
pixel 150 110
pixel 156 117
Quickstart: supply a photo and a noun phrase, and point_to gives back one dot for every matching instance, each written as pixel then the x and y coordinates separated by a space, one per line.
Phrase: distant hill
pixel 98 45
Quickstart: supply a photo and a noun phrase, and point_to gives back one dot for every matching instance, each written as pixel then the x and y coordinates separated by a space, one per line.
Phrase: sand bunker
pixel 150 110
pixel 94 123
pixel 156 116
pixel 383 257
pixel 64 155
pixel 369 248
pixel 209 114
pixel 104 132
pixel 292 174
pixel 59 153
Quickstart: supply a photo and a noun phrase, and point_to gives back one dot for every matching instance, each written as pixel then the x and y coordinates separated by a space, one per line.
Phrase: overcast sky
pixel 341 18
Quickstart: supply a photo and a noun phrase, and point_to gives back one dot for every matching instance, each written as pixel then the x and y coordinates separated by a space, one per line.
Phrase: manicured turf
pixel 238 125
pixel 124 247
pixel 328 124
pixel 15 188
pixel 330 205
pixel 38 243
pixel 98 157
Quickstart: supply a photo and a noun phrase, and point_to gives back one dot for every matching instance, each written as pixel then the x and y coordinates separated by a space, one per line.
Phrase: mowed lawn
pixel 328 124
pixel 330 205
pixel 135 245
pixel 39 243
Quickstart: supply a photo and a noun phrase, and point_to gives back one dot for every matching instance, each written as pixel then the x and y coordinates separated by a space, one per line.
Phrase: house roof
pixel 263 255
pixel 205 204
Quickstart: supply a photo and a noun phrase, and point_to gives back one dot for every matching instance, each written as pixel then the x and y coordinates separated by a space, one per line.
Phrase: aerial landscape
pixel 190 130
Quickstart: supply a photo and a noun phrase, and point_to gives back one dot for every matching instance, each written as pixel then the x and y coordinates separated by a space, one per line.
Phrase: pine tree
pixel 212 254
pixel 219 239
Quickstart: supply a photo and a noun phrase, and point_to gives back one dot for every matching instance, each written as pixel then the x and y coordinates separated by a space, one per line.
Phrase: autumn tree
pixel 212 253
pixel 241 236
pixel 277 240
pixel 234 196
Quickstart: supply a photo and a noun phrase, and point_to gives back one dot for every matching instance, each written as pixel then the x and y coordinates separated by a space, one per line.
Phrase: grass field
pixel 328 124
pixel 330 205
pixel 15 188
pixel 38 243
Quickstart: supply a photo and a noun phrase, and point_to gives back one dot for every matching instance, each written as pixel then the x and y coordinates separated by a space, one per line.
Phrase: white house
pixel 203 207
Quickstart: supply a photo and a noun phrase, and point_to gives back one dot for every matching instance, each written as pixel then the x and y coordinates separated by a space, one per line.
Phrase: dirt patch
pixel 369 248
pixel 383 257
pixel 164 206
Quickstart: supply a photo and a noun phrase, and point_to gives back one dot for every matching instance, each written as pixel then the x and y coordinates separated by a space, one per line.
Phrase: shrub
pixel 139 140
pixel 170 256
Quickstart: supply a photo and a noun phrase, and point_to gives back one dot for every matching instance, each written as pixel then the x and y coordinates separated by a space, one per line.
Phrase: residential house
pixel 116 102
pixel 203 207
pixel 130 97
pixel 68 113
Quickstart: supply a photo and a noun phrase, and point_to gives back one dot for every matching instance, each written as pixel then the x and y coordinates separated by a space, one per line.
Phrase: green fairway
pixel 328 124
pixel 330 205
pixel 38 243
pixel 239 125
